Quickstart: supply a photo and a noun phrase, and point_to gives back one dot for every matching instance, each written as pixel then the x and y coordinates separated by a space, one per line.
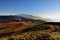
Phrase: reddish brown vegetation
pixel 14 23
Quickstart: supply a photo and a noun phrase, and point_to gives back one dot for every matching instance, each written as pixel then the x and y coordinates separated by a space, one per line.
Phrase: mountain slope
pixel 23 28
pixel 31 17
pixel 22 17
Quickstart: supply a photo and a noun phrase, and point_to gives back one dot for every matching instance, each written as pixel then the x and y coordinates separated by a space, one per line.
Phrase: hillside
pixel 19 28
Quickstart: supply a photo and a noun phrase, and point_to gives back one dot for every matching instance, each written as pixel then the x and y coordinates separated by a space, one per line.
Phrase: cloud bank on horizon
pixel 49 9
pixel 52 16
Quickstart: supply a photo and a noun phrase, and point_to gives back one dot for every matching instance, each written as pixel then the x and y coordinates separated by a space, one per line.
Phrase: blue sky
pixel 44 8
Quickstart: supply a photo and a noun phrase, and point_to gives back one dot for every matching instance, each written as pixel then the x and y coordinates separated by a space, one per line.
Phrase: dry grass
pixel 28 31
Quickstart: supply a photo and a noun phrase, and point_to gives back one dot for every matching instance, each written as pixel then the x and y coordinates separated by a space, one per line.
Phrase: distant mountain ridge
pixel 34 17
pixel 22 17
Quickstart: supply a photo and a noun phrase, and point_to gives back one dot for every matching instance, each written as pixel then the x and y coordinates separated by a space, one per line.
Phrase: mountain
pixel 22 27
pixel 32 17
pixel 22 17
pixel 11 20
pixel 29 16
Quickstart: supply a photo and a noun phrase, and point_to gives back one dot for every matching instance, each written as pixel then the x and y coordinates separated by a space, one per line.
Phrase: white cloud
pixel 52 15
pixel 7 13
